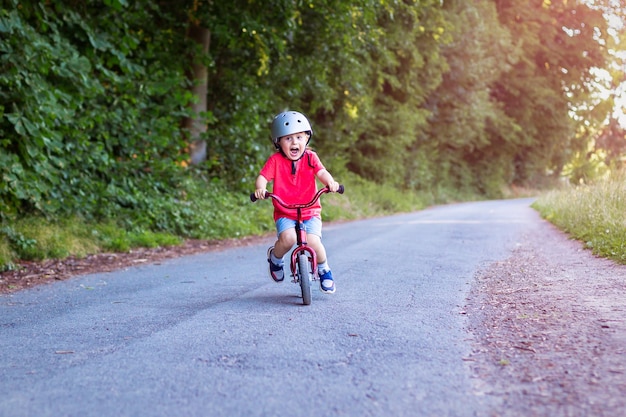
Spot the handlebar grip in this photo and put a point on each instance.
(341, 189)
(253, 197)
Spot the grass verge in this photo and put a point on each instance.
(209, 212)
(594, 214)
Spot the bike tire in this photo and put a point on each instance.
(305, 278)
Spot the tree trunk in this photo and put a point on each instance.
(199, 76)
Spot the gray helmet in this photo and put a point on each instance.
(289, 122)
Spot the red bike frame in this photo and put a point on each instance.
(301, 241)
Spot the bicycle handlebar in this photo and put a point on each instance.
(296, 206)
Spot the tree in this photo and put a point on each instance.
(198, 75)
(406, 67)
(470, 140)
(561, 42)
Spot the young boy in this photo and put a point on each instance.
(293, 170)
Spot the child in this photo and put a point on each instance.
(293, 169)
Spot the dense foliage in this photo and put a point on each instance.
(90, 110)
(425, 96)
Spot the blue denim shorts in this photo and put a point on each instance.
(312, 226)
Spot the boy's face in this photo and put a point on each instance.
(294, 145)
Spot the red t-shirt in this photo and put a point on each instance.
(294, 182)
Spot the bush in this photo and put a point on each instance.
(87, 125)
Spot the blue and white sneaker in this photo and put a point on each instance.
(276, 271)
(327, 284)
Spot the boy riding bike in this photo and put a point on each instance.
(293, 169)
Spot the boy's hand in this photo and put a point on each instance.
(333, 186)
(259, 193)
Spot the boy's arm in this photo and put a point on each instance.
(261, 187)
(327, 179)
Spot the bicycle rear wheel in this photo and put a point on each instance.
(305, 278)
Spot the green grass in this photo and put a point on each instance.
(594, 214)
(7, 255)
(112, 238)
(36, 239)
(209, 212)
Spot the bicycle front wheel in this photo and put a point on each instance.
(305, 278)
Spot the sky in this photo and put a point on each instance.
(616, 25)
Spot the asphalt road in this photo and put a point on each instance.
(213, 335)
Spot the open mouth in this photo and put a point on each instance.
(294, 152)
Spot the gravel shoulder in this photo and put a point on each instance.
(548, 330)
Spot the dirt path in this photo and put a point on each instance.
(549, 331)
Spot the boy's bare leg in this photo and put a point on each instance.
(287, 239)
(285, 242)
(316, 243)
